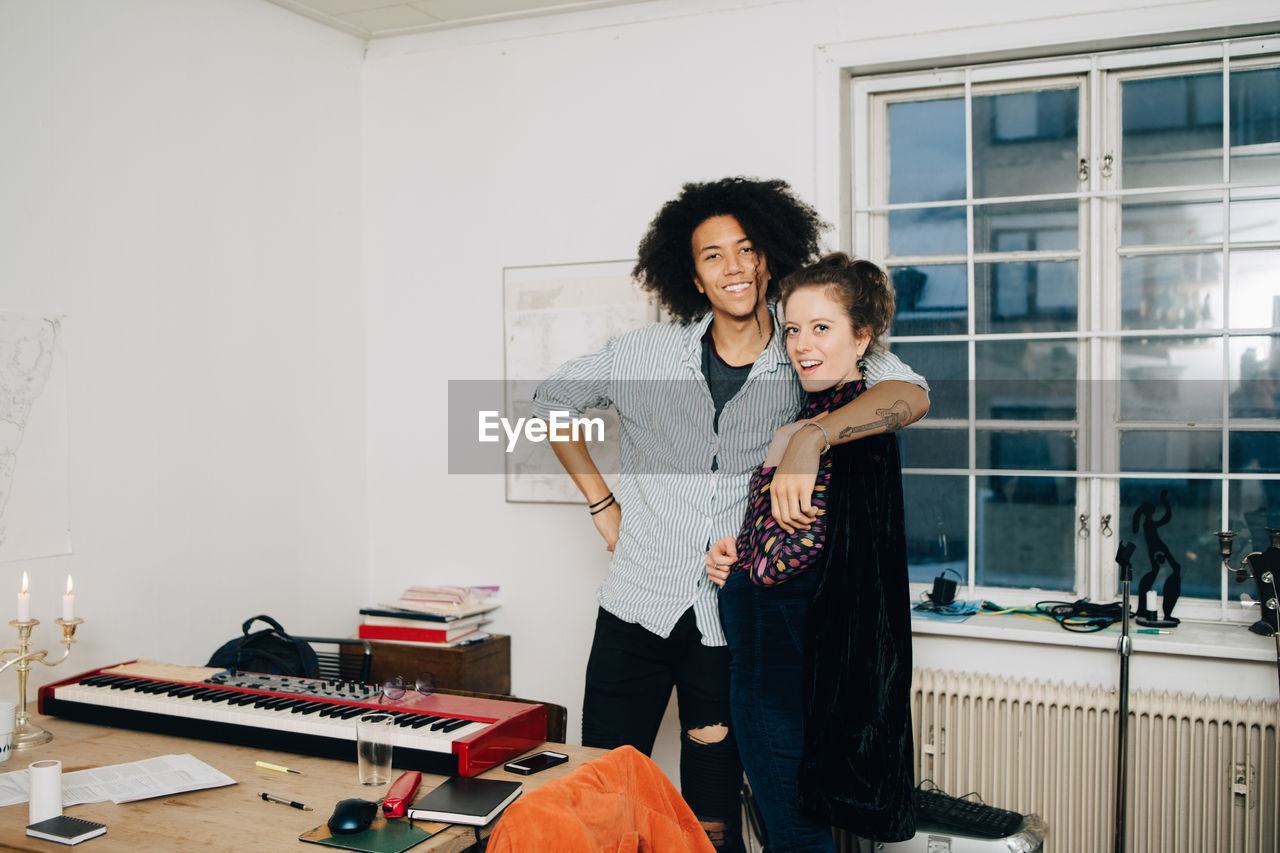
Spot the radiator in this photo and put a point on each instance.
(1202, 773)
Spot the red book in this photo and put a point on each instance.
(414, 635)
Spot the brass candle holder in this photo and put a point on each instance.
(27, 734)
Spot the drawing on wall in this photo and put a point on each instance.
(35, 516)
(552, 314)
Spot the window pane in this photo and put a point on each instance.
(1255, 506)
(1172, 130)
(1257, 452)
(1171, 291)
(1045, 226)
(1027, 450)
(937, 517)
(1171, 379)
(927, 231)
(1041, 296)
(1171, 451)
(1191, 218)
(1256, 397)
(1254, 218)
(931, 300)
(946, 366)
(926, 151)
(1024, 143)
(1255, 289)
(1026, 380)
(1171, 219)
(934, 448)
(1255, 125)
(1177, 541)
(1026, 532)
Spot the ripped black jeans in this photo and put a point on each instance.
(630, 674)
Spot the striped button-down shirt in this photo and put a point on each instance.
(675, 502)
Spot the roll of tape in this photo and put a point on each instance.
(46, 790)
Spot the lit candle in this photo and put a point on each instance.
(69, 602)
(24, 601)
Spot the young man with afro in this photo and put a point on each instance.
(699, 400)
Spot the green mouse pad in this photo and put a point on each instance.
(382, 836)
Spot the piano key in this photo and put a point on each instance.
(270, 716)
(321, 719)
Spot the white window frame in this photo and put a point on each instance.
(846, 184)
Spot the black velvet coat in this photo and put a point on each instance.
(856, 768)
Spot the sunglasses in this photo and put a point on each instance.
(395, 688)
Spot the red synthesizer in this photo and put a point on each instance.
(435, 732)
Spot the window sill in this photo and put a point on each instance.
(1225, 640)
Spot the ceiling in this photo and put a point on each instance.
(371, 19)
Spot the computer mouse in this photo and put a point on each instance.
(352, 816)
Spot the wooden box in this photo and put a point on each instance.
(481, 667)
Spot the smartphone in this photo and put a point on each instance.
(534, 763)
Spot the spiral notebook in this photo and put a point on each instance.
(65, 829)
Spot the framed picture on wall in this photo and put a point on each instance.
(553, 314)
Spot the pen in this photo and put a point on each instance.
(1143, 631)
(268, 766)
(272, 798)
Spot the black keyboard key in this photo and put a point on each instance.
(966, 817)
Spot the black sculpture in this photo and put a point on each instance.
(1158, 555)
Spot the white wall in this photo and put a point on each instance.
(182, 182)
(555, 141)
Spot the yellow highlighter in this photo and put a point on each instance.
(267, 766)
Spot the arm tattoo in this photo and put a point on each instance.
(892, 419)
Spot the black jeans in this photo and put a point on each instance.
(629, 678)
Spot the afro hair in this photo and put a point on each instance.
(779, 225)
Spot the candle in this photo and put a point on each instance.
(69, 602)
(24, 601)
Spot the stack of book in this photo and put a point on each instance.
(436, 616)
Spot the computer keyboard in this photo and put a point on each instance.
(965, 817)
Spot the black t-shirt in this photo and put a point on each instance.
(723, 380)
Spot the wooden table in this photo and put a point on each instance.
(218, 819)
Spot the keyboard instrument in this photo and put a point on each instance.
(435, 733)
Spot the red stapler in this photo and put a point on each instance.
(400, 794)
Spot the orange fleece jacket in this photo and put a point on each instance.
(617, 803)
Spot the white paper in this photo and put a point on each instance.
(122, 783)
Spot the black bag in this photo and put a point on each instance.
(270, 650)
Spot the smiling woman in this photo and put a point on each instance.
(835, 311)
(822, 342)
(796, 621)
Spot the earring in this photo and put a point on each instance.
(862, 364)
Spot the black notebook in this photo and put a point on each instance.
(65, 829)
(464, 799)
